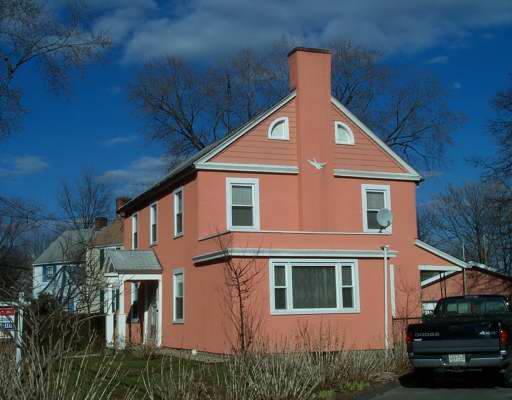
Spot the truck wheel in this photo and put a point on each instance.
(507, 376)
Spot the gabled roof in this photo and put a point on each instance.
(69, 247)
(210, 151)
(130, 261)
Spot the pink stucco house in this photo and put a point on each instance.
(296, 191)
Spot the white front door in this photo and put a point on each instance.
(152, 318)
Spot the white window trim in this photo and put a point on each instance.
(289, 286)
(151, 221)
(286, 129)
(351, 141)
(135, 229)
(175, 212)
(387, 204)
(177, 271)
(254, 183)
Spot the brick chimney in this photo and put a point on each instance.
(121, 201)
(310, 77)
(100, 222)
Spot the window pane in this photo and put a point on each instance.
(242, 216)
(279, 275)
(179, 308)
(342, 135)
(179, 286)
(153, 233)
(179, 202)
(372, 220)
(280, 299)
(179, 223)
(314, 286)
(242, 195)
(375, 200)
(348, 297)
(346, 275)
(278, 130)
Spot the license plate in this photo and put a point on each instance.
(456, 358)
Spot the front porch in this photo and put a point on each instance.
(134, 298)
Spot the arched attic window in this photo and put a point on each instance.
(343, 134)
(278, 129)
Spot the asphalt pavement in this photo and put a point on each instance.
(448, 385)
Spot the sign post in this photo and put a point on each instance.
(19, 331)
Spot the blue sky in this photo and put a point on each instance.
(467, 43)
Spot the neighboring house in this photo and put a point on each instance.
(473, 279)
(55, 270)
(71, 268)
(295, 191)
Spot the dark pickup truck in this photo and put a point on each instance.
(463, 332)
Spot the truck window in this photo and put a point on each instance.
(471, 305)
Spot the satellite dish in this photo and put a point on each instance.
(384, 218)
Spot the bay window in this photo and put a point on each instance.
(309, 286)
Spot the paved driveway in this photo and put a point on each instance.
(449, 386)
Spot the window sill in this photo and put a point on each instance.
(316, 312)
(178, 235)
(242, 229)
(178, 322)
(153, 244)
(378, 232)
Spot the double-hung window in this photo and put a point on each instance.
(375, 198)
(153, 220)
(178, 212)
(243, 211)
(135, 231)
(48, 272)
(311, 287)
(178, 295)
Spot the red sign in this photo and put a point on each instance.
(7, 311)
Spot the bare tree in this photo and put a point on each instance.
(241, 278)
(188, 108)
(474, 222)
(17, 221)
(83, 204)
(501, 128)
(32, 32)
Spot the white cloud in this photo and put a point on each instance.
(119, 140)
(23, 165)
(208, 28)
(137, 176)
(457, 85)
(438, 60)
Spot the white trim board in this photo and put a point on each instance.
(372, 135)
(428, 281)
(244, 129)
(440, 253)
(255, 252)
(392, 176)
(264, 168)
(439, 268)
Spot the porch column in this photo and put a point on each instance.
(121, 319)
(109, 318)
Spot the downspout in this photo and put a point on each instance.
(386, 322)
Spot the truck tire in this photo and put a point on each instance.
(507, 376)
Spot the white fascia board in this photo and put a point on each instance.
(264, 168)
(255, 252)
(246, 128)
(439, 268)
(439, 253)
(379, 141)
(393, 176)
